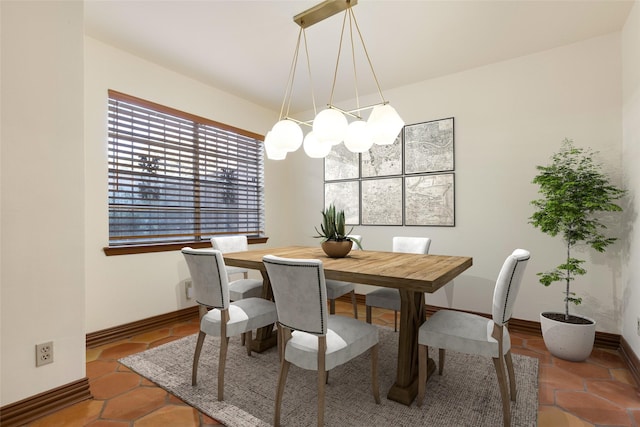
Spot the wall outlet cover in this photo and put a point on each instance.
(44, 353)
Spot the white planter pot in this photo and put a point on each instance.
(568, 341)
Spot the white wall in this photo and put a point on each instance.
(631, 157)
(126, 288)
(509, 117)
(42, 221)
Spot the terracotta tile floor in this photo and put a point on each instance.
(597, 392)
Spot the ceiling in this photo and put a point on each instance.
(246, 47)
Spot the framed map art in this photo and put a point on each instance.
(341, 163)
(344, 195)
(410, 182)
(429, 200)
(428, 147)
(382, 160)
(382, 201)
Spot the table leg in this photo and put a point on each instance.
(412, 315)
(266, 337)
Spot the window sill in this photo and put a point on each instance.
(166, 247)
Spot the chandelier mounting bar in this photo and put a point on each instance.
(322, 11)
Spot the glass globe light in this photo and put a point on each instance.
(358, 138)
(385, 124)
(273, 153)
(314, 148)
(286, 135)
(330, 125)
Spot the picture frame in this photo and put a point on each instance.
(345, 195)
(382, 201)
(341, 163)
(430, 200)
(382, 160)
(429, 147)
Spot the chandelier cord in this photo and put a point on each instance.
(292, 73)
(335, 73)
(353, 58)
(364, 47)
(306, 49)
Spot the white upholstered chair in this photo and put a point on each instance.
(241, 288)
(218, 316)
(337, 288)
(474, 334)
(390, 298)
(308, 337)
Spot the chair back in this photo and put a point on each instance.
(226, 244)
(411, 245)
(300, 293)
(508, 285)
(210, 282)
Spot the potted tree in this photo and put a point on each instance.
(575, 192)
(336, 243)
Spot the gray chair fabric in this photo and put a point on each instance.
(390, 298)
(337, 288)
(473, 334)
(218, 316)
(245, 288)
(241, 288)
(226, 244)
(308, 336)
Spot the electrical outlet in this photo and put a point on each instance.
(188, 289)
(44, 353)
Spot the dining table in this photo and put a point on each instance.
(411, 274)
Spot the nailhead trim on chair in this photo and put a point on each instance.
(504, 310)
(224, 303)
(322, 307)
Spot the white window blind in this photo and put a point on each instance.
(175, 177)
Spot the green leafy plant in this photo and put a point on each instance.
(333, 227)
(574, 192)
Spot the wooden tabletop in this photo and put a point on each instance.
(414, 272)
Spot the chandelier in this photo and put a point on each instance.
(331, 126)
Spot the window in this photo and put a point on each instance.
(178, 178)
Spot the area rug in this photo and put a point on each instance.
(465, 395)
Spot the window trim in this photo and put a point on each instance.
(173, 246)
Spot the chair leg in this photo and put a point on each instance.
(512, 375)
(196, 358)
(332, 306)
(355, 304)
(243, 339)
(440, 361)
(224, 343)
(369, 314)
(202, 310)
(374, 374)
(279, 339)
(321, 380)
(423, 355)
(322, 377)
(395, 321)
(502, 384)
(249, 341)
(282, 379)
